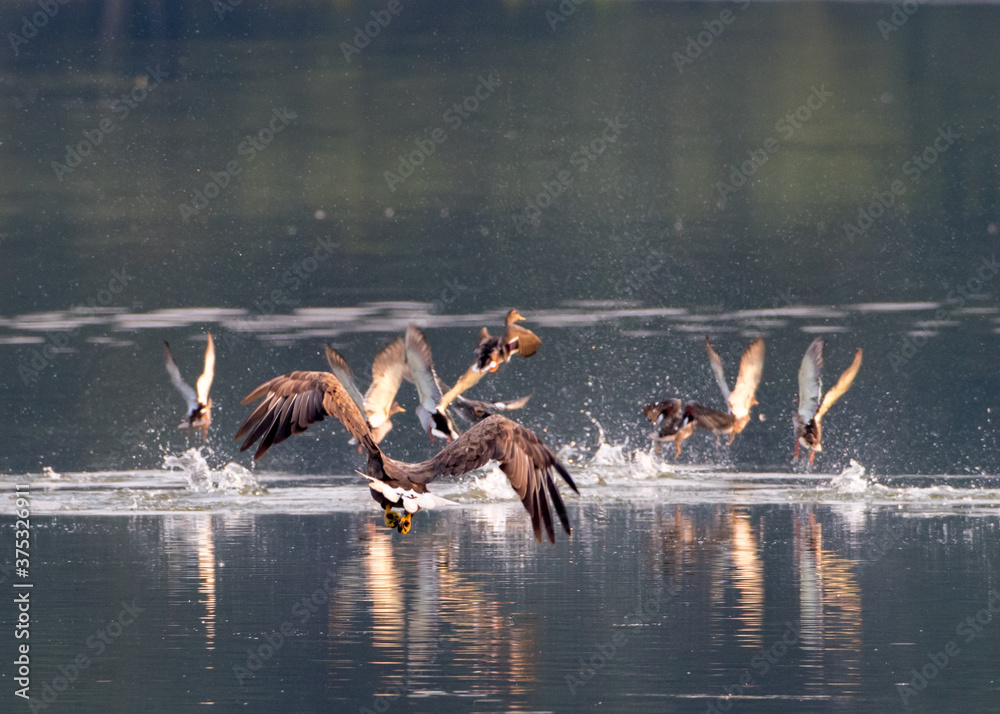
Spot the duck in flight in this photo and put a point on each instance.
(379, 401)
(436, 419)
(199, 404)
(740, 400)
(295, 401)
(493, 352)
(674, 421)
(809, 417)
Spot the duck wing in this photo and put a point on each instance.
(190, 396)
(842, 385)
(204, 383)
(716, 363)
(345, 375)
(751, 368)
(810, 381)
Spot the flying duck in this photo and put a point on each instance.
(673, 419)
(199, 404)
(494, 351)
(420, 370)
(809, 417)
(380, 399)
(293, 402)
(740, 400)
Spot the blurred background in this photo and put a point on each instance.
(631, 176)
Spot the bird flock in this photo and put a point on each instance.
(292, 402)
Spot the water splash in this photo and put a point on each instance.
(853, 479)
(493, 485)
(202, 478)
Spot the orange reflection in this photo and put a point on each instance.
(830, 609)
(417, 604)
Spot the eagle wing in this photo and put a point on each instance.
(527, 462)
(293, 402)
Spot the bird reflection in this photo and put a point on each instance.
(830, 610)
(429, 620)
(748, 578)
(206, 577)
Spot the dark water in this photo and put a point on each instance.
(650, 607)
(805, 171)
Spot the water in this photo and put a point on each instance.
(728, 579)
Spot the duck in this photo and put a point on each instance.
(295, 401)
(199, 404)
(379, 401)
(674, 421)
(809, 417)
(475, 410)
(434, 419)
(740, 400)
(494, 351)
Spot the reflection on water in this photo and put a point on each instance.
(769, 604)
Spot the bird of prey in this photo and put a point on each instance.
(809, 417)
(199, 404)
(494, 351)
(293, 402)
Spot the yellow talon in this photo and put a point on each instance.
(391, 519)
(404, 524)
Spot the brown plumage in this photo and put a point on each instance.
(673, 419)
(199, 404)
(294, 401)
(741, 399)
(808, 420)
(493, 352)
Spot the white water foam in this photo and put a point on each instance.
(202, 478)
(852, 480)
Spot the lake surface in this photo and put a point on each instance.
(630, 176)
